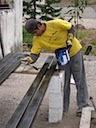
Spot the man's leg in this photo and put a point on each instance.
(78, 72)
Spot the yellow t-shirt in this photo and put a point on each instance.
(55, 37)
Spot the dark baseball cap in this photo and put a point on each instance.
(31, 25)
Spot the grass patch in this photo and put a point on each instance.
(27, 37)
(81, 35)
(87, 37)
(93, 43)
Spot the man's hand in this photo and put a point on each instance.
(69, 44)
(29, 59)
(69, 40)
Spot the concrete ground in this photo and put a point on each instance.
(15, 87)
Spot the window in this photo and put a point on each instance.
(6, 4)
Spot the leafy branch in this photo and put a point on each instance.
(76, 8)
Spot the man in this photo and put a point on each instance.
(58, 34)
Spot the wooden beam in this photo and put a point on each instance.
(21, 109)
(86, 117)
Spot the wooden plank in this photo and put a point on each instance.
(86, 117)
(9, 65)
(30, 114)
(26, 69)
(17, 116)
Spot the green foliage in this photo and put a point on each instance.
(48, 12)
(93, 42)
(52, 1)
(81, 35)
(30, 8)
(45, 11)
(93, 52)
(76, 8)
(27, 37)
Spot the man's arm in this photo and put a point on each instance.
(32, 58)
(70, 37)
(72, 30)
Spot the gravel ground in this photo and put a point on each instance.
(15, 87)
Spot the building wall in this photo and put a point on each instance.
(7, 30)
(11, 28)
